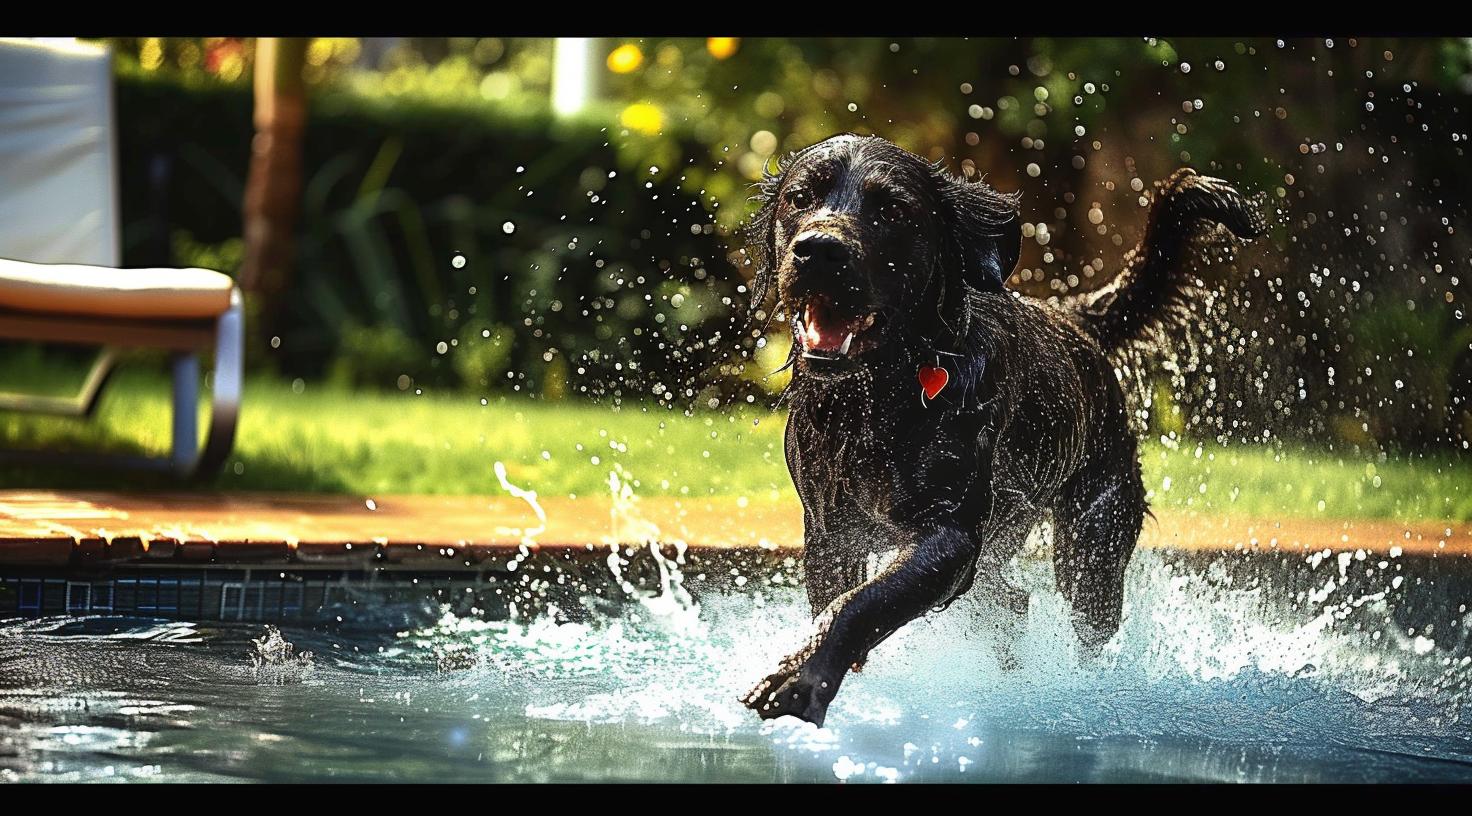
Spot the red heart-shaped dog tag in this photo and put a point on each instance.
(932, 380)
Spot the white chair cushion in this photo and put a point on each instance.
(100, 291)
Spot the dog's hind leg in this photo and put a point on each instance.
(1003, 616)
(1004, 613)
(1097, 525)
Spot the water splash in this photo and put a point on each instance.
(274, 660)
(1198, 660)
(528, 535)
(1203, 655)
(1212, 677)
(1224, 669)
(669, 601)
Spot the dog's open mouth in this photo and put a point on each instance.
(826, 332)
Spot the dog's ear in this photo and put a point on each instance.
(761, 235)
(983, 230)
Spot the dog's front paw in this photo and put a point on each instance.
(758, 693)
(788, 693)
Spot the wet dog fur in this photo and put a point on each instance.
(888, 265)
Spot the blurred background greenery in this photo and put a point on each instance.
(561, 220)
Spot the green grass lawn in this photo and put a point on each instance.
(317, 439)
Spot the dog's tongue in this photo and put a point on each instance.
(822, 330)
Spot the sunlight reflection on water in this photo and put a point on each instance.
(1205, 681)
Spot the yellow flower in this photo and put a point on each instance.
(319, 52)
(625, 58)
(722, 47)
(151, 54)
(643, 117)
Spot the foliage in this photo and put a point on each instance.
(1354, 142)
(1406, 355)
(482, 354)
(422, 222)
(375, 356)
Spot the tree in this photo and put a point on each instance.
(273, 187)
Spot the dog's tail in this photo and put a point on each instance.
(1155, 289)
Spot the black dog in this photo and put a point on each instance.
(936, 413)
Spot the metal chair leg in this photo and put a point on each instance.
(97, 379)
(225, 396)
(83, 404)
(185, 450)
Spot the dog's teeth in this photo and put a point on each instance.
(846, 341)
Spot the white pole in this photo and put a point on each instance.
(572, 68)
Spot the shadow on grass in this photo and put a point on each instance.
(132, 420)
(257, 473)
(267, 476)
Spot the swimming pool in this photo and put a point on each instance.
(1329, 667)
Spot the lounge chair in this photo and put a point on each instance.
(59, 281)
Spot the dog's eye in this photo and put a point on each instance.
(799, 199)
(893, 212)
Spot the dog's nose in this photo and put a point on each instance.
(820, 247)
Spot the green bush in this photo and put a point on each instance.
(376, 357)
(482, 354)
(1405, 356)
(424, 220)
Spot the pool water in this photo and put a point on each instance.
(1219, 674)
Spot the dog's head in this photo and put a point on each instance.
(867, 243)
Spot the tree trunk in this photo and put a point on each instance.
(273, 189)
